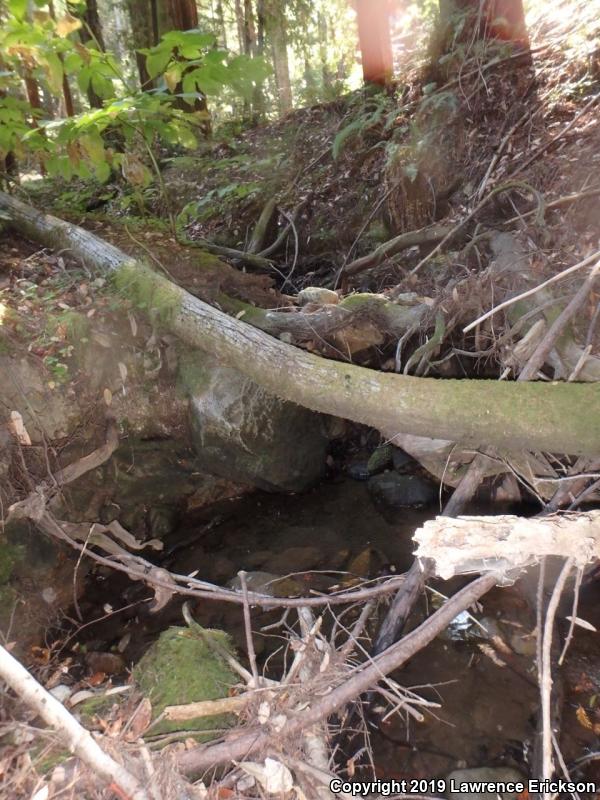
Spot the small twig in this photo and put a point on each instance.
(149, 252)
(456, 229)
(576, 589)
(542, 149)
(537, 359)
(357, 629)
(79, 741)
(560, 201)
(248, 629)
(563, 765)
(273, 248)
(214, 645)
(498, 153)
(206, 708)
(546, 677)
(296, 249)
(554, 279)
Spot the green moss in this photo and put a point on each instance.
(9, 555)
(45, 759)
(147, 290)
(180, 668)
(243, 311)
(95, 706)
(206, 260)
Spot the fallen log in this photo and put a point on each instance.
(461, 545)
(556, 417)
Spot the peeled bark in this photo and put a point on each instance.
(554, 417)
(503, 543)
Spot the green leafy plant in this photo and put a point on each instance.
(371, 116)
(39, 51)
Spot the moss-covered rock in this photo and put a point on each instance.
(180, 668)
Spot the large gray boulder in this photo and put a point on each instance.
(243, 433)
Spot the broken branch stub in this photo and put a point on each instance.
(461, 545)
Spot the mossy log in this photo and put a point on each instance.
(555, 417)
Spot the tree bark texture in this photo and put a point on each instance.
(90, 33)
(491, 19)
(549, 416)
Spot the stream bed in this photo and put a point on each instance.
(481, 672)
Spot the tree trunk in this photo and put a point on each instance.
(182, 15)
(275, 28)
(493, 19)
(90, 32)
(375, 41)
(66, 88)
(254, 46)
(239, 21)
(143, 30)
(32, 90)
(553, 417)
(221, 21)
(323, 41)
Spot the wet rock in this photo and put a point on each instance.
(380, 459)
(489, 774)
(294, 559)
(524, 643)
(109, 663)
(246, 434)
(161, 521)
(36, 581)
(359, 470)
(402, 461)
(219, 569)
(145, 486)
(256, 559)
(402, 491)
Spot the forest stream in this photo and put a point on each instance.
(299, 400)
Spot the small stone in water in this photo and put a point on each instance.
(358, 470)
